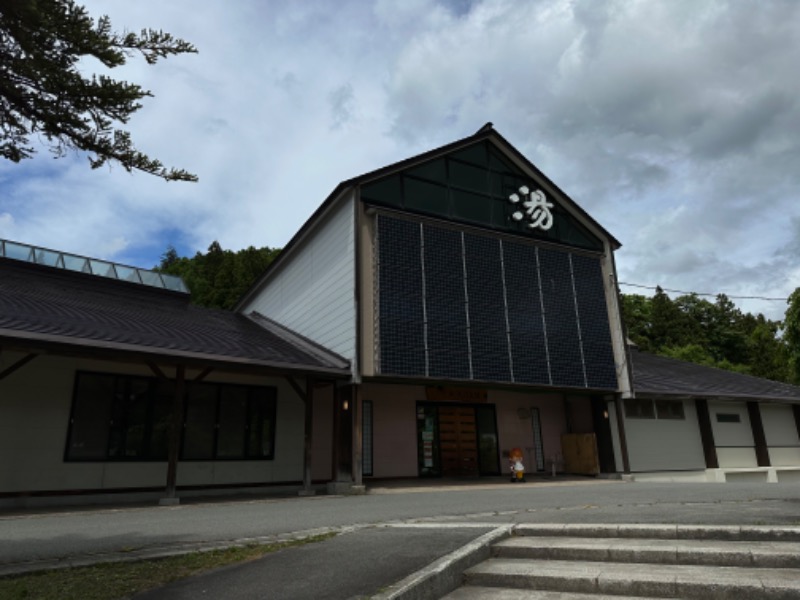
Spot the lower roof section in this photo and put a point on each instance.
(662, 376)
(63, 311)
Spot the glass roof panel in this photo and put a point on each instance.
(151, 278)
(18, 251)
(173, 282)
(48, 257)
(128, 273)
(102, 268)
(83, 264)
(76, 263)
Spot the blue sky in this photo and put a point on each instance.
(674, 123)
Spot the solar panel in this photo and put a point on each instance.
(460, 305)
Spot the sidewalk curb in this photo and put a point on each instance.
(444, 575)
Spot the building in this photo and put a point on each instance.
(429, 317)
(698, 423)
(109, 377)
(476, 303)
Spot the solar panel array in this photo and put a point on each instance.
(459, 305)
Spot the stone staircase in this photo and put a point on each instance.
(587, 562)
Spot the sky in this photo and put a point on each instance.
(673, 123)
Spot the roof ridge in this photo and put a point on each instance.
(305, 344)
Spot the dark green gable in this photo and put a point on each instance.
(473, 186)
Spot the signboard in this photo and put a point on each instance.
(439, 393)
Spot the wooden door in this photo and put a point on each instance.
(458, 441)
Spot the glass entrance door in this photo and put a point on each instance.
(457, 440)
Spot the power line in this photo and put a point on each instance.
(653, 287)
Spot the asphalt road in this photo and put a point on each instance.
(34, 537)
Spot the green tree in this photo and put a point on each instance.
(43, 92)
(715, 334)
(219, 277)
(791, 334)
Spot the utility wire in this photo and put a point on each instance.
(653, 287)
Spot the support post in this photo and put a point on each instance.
(760, 439)
(176, 425)
(307, 397)
(623, 440)
(706, 434)
(796, 411)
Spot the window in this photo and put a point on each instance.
(729, 418)
(126, 418)
(200, 422)
(636, 408)
(639, 408)
(670, 409)
(366, 438)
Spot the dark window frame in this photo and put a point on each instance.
(639, 408)
(256, 394)
(728, 417)
(670, 410)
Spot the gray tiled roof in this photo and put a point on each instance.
(40, 305)
(659, 375)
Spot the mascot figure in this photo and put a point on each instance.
(517, 468)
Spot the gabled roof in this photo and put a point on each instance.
(42, 307)
(661, 376)
(487, 132)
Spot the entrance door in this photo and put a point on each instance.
(458, 441)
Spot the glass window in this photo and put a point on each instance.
(232, 421)
(636, 408)
(489, 456)
(129, 419)
(200, 422)
(91, 414)
(260, 423)
(427, 440)
(366, 437)
(161, 419)
(669, 409)
(728, 418)
(118, 418)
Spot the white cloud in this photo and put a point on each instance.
(672, 122)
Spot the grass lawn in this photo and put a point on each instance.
(113, 581)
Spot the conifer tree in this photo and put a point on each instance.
(43, 93)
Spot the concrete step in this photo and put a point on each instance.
(637, 550)
(665, 532)
(493, 593)
(634, 579)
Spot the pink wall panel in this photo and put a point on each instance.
(395, 428)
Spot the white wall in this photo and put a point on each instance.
(665, 444)
(734, 441)
(35, 404)
(780, 430)
(313, 290)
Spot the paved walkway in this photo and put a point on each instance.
(376, 546)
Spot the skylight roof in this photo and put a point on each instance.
(92, 266)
